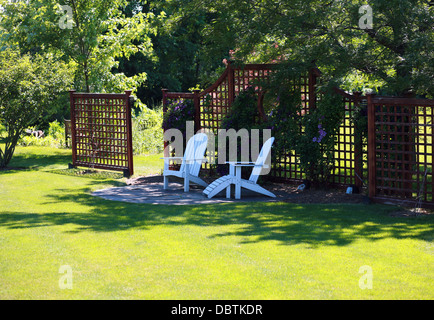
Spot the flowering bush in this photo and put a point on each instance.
(311, 136)
(177, 114)
(322, 134)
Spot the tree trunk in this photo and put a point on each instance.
(86, 76)
(6, 156)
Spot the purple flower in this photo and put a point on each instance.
(314, 140)
(322, 133)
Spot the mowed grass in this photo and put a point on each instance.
(120, 250)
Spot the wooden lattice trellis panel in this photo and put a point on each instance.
(350, 151)
(400, 144)
(397, 159)
(213, 104)
(101, 131)
(286, 167)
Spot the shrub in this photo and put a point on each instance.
(310, 135)
(243, 115)
(147, 132)
(28, 86)
(54, 137)
(243, 111)
(178, 113)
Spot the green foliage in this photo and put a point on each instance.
(396, 52)
(55, 137)
(147, 131)
(184, 53)
(243, 111)
(100, 34)
(28, 85)
(311, 136)
(243, 115)
(178, 113)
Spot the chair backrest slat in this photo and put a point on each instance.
(261, 160)
(195, 149)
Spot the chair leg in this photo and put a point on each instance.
(186, 184)
(238, 183)
(166, 182)
(187, 178)
(228, 192)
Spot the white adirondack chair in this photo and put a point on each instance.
(191, 162)
(234, 176)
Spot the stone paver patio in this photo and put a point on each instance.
(153, 193)
(150, 190)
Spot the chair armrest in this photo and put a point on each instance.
(193, 160)
(174, 158)
(182, 158)
(243, 164)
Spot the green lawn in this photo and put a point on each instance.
(224, 251)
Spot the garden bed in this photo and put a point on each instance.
(287, 192)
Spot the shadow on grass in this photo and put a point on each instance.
(36, 161)
(56, 158)
(313, 225)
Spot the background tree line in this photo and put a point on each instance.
(179, 44)
(113, 45)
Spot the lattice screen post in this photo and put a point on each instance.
(409, 146)
(73, 126)
(372, 161)
(166, 143)
(130, 103)
(231, 84)
(312, 88)
(358, 147)
(196, 102)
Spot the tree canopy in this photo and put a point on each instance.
(179, 44)
(396, 52)
(48, 47)
(28, 86)
(93, 34)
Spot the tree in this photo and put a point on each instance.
(28, 84)
(185, 54)
(396, 51)
(93, 34)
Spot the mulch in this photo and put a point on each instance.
(286, 192)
